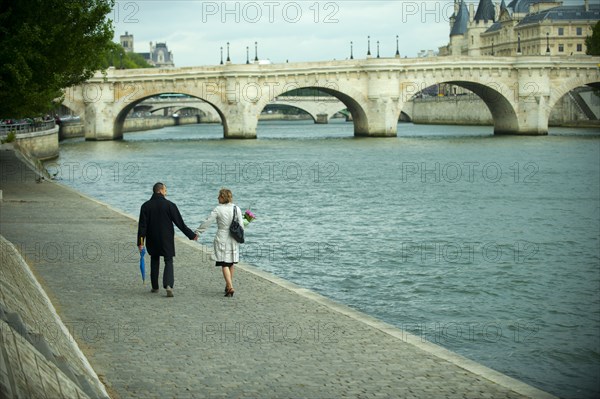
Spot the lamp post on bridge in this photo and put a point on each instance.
(547, 43)
(228, 59)
(397, 48)
(247, 55)
(377, 48)
(221, 55)
(255, 51)
(368, 46)
(351, 52)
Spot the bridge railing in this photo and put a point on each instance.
(25, 127)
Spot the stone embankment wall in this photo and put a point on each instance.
(139, 124)
(42, 144)
(70, 130)
(38, 356)
(459, 110)
(281, 117)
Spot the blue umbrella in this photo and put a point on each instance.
(143, 264)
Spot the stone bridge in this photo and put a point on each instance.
(519, 91)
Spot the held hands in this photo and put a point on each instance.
(140, 247)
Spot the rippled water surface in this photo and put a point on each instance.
(486, 245)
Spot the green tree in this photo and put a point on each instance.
(46, 46)
(117, 57)
(138, 61)
(592, 43)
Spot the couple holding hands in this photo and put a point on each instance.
(155, 229)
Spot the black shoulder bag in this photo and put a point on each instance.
(236, 231)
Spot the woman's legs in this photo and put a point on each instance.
(227, 275)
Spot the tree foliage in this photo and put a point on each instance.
(117, 56)
(46, 46)
(592, 43)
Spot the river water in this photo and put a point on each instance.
(488, 246)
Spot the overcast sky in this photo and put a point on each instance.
(299, 30)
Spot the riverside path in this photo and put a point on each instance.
(271, 340)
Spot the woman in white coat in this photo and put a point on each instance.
(226, 249)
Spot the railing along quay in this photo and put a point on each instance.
(26, 127)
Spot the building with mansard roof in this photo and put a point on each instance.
(159, 55)
(528, 27)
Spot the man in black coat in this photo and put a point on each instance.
(157, 217)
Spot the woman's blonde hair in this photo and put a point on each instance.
(226, 195)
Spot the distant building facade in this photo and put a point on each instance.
(527, 27)
(159, 55)
(127, 42)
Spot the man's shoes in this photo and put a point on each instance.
(169, 292)
(154, 290)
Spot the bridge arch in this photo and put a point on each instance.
(137, 98)
(123, 112)
(346, 95)
(502, 109)
(556, 93)
(496, 95)
(405, 116)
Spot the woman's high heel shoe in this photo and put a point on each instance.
(230, 292)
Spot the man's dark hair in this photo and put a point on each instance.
(157, 187)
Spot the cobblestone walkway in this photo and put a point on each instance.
(271, 340)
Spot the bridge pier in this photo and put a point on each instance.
(532, 106)
(240, 134)
(241, 121)
(380, 119)
(532, 116)
(99, 123)
(322, 119)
